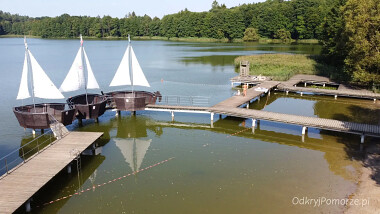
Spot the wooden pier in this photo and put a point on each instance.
(252, 93)
(342, 91)
(230, 107)
(24, 181)
(320, 123)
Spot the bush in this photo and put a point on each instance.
(251, 35)
(283, 35)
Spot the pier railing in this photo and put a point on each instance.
(18, 157)
(184, 100)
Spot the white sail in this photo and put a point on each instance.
(122, 76)
(133, 151)
(91, 81)
(42, 85)
(23, 91)
(137, 73)
(75, 78)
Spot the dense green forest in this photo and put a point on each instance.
(301, 18)
(349, 30)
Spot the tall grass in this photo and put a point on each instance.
(283, 66)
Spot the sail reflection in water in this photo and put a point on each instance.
(133, 150)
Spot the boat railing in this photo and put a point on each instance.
(22, 155)
(185, 100)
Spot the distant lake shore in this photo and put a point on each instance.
(179, 39)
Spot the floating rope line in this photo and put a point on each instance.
(110, 181)
(239, 132)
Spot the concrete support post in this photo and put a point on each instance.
(97, 120)
(324, 85)
(220, 116)
(172, 112)
(304, 129)
(247, 106)
(253, 126)
(335, 96)
(28, 208)
(268, 92)
(34, 132)
(253, 123)
(80, 122)
(301, 94)
(42, 131)
(133, 113)
(374, 100)
(305, 84)
(212, 116)
(258, 98)
(362, 138)
(69, 168)
(287, 92)
(118, 113)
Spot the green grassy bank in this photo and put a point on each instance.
(283, 66)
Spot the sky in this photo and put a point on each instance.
(114, 8)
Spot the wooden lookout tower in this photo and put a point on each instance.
(244, 68)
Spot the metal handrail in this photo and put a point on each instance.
(186, 100)
(7, 165)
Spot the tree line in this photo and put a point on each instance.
(301, 19)
(351, 39)
(349, 30)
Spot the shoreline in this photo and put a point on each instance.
(178, 39)
(368, 183)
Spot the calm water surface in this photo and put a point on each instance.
(213, 170)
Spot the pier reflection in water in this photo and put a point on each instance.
(215, 170)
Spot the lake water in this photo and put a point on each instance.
(224, 169)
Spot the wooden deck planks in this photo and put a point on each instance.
(236, 101)
(321, 123)
(20, 185)
(342, 91)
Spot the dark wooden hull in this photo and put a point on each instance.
(39, 116)
(95, 108)
(128, 101)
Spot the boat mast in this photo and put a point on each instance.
(84, 66)
(30, 73)
(130, 63)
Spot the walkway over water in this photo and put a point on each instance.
(321, 123)
(230, 107)
(236, 101)
(342, 90)
(24, 181)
